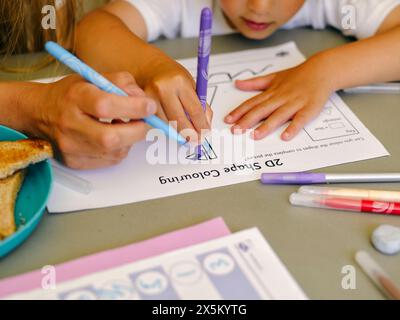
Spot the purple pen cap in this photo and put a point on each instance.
(206, 23)
(207, 13)
(293, 178)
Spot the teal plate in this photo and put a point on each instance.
(32, 198)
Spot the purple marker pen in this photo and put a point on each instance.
(293, 178)
(205, 39)
(204, 51)
(322, 178)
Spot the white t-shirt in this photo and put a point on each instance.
(172, 18)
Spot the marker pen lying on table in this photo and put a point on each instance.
(384, 88)
(345, 204)
(71, 181)
(377, 275)
(322, 178)
(204, 51)
(102, 83)
(377, 195)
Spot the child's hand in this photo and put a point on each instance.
(68, 115)
(172, 85)
(296, 94)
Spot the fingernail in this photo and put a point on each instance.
(254, 134)
(228, 118)
(286, 136)
(151, 108)
(236, 129)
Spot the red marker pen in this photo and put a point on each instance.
(336, 203)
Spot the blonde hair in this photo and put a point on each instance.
(21, 28)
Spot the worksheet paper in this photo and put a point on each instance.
(206, 231)
(337, 136)
(236, 267)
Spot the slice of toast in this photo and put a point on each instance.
(20, 154)
(9, 188)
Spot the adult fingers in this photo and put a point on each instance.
(103, 105)
(105, 138)
(80, 162)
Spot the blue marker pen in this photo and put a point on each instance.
(102, 83)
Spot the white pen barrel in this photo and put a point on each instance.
(363, 178)
(386, 88)
(71, 181)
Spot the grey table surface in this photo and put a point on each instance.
(314, 244)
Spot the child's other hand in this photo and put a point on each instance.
(173, 87)
(296, 94)
(68, 115)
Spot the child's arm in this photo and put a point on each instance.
(301, 92)
(65, 113)
(106, 41)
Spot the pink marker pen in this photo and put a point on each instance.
(345, 204)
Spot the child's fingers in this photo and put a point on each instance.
(126, 82)
(160, 111)
(245, 107)
(274, 121)
(194, 109)
(257, 114)
(255, 84)
(102, 105)
(209, 115)
(175, 111)
(300, 120)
